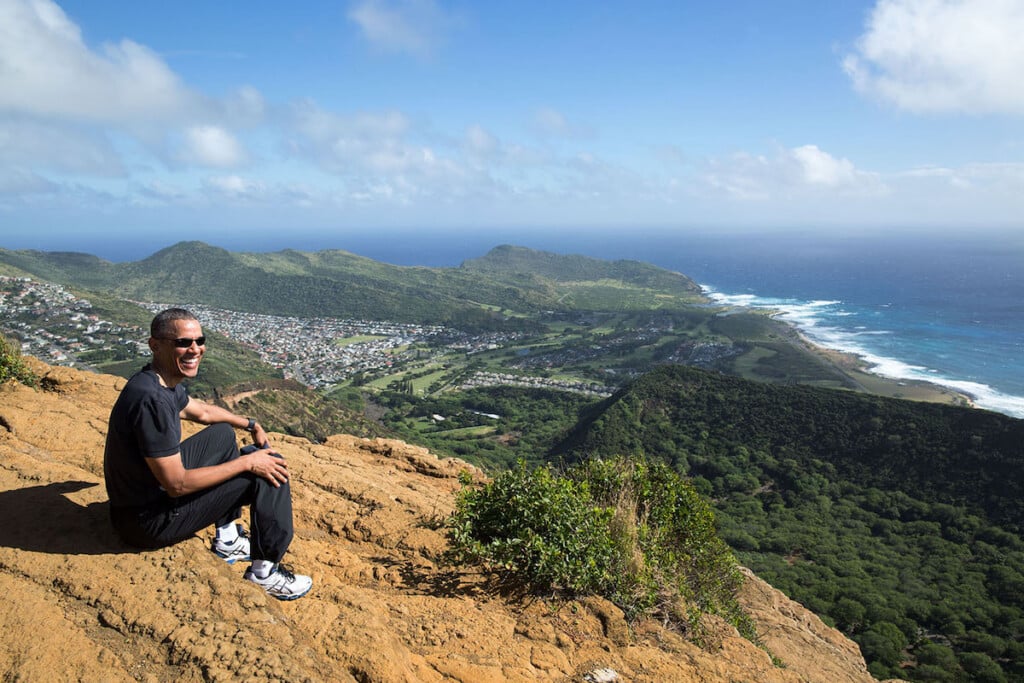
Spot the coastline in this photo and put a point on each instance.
(858, 371)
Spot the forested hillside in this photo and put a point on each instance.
(900, 521)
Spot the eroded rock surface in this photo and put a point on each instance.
(79, 605)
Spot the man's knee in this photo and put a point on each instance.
(221, 431)
(281, 490)
(214, 444)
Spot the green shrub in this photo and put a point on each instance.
(543, 529)
(681, 555)
(981, 669)
(636, 534)
(12, 365)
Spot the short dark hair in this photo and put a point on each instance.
(163, 322)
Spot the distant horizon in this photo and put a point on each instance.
(452, 246)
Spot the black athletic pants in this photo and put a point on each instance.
(175, 519)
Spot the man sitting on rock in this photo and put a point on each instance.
(163, 490)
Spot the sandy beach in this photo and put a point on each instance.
(857, 370)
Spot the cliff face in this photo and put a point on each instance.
(79, 605)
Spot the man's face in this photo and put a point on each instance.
(176, 363)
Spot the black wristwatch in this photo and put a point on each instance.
(252, 425)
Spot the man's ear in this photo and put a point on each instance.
(152, 344)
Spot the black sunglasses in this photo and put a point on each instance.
(185, 342)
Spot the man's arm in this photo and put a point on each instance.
(178, 481)
(207, 413)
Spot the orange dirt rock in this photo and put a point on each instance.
(80, 605)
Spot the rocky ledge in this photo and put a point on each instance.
(80, 606)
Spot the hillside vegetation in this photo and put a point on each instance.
(900, 521)
(638, 535)
(491, 291)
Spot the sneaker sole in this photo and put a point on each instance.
(231, 560)
(279, 596)
(290, 597)
(269, 590)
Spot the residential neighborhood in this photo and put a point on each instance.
(318, 352)
(60, 328)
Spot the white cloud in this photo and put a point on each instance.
(550, 121)
(327, 130)
(378, 156)
(245, 107)
(235, 186)
(46, 69)
(389, 158)
(800, 171)
(365, 144)
(28, 143)
(161, 193)
(590, 177)
(105, 111)
(740, 176)
(943, 55)
(1005, 178)
(212, 146)
(977, 178)
(416, 27)
(821, 168)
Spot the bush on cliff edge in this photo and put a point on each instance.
(12, 365)
(633, 532)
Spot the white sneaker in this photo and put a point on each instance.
(234, 551)
(282, 583)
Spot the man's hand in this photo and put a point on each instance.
(267, 463)
(259, 437)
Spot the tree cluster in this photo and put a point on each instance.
(899, 522)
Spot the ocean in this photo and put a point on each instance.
(948, 310)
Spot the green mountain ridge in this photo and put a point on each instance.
(511, 259)
(493, 291)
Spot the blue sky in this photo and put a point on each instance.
(265, 122)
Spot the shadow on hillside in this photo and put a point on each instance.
(42, 519)
(465, 581)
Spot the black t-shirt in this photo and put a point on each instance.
(144, 423)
